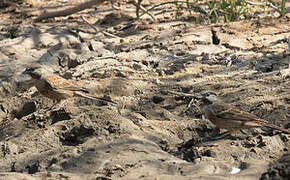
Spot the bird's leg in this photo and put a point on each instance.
(58, 105)
(208, 141)
(54, 105)
(223, 135)
(49, 108)
(229, 133)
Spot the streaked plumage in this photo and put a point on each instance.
(56, 87)
(225, 116)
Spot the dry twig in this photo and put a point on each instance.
(97, 31)
(69, 11)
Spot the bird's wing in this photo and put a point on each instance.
(226, 111)
(59, 83)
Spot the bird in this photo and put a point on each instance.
(56, 87)
(226, 116)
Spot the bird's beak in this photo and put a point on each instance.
(25, 71)
(198, 96)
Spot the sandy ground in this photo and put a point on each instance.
(151, 133)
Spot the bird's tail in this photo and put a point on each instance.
(82, 94)
(277, 128)
(264, 124)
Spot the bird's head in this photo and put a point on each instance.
(208, 97)
(34, 71)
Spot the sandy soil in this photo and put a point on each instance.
(151, 133)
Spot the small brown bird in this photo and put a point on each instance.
(227, 117)
(56, 87)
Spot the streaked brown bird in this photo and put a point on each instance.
(227, 117)
(56, 87)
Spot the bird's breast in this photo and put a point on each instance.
(48, 91)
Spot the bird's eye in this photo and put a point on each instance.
(30, 69)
